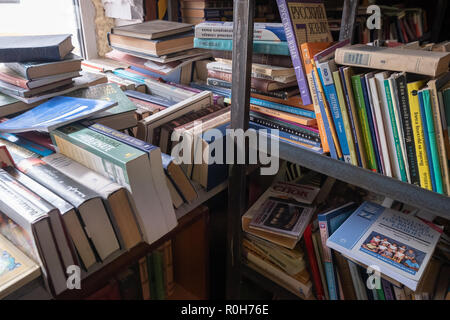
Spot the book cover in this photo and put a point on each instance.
(224, 30)
(400, 245)
(45, 117)
(419, 135)
(164, 102)
(329, 222)
(303, 21)
(283, 107)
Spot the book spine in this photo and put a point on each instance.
(281, 133)
(29, 145)
(275, 94)
(159, 275)
(372, 126)
(23, 83)
(345, 118)
(259, 47)
(398, 150)
(388, 293)
(328, 261)
(416, 120)
(427, 140)
(325, 75)
(407, 129)
(219, 31)
(49, 53)
(218, 83)
(325, 119)
(282, 107)
(283, 115)
(130, 76)
(143, 276)
(313, 263)
(294, 51)
(362, 115)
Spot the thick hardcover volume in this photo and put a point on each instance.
(325, 119)
(408, 135)
(260, 47)
(325, 72)
(419, 136)
(362, 115)
(309, 49)
(224, 30)
(429, 63)
(296, 26)
(320, 294)
(34, 48)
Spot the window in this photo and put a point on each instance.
(32, 17)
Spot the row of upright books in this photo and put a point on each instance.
(322, 239)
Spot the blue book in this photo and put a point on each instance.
(224, 30)
(154, 155)
(329, 222)
(220, 91)
(27, 144)
(427, 140)
(55, 113)
(284, 135)
(326, 124)
(150, 98)
(326, 77)
(282, 107)
(350, 115)
(259, 47)
(400, 245)
(35, 48)
(172, 77)
(371, 123)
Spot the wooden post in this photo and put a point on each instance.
(243, 11)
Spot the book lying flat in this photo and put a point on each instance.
(55, 113)
(152, 29)
(399, 244)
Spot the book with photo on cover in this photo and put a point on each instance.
(281, 214)
(400, 245)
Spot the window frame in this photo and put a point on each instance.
(85, 11)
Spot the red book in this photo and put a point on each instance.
(41, 138)
(13, 78)
(307, 235)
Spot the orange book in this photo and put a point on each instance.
(309, 49)
(294, 101)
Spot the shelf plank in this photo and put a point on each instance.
(366, 179)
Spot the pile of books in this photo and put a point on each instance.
(320, 239)
(197, 11)
(275, 101)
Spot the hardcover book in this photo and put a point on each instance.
(399, 244)
(224, 30)
(154, 29)
(303, 21)
(34, 48)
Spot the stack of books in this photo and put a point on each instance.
(275, 101)
(197, 11)
(156, 49)
(34, 68)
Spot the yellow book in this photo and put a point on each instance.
(419, 137)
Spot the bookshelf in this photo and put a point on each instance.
(390, 187)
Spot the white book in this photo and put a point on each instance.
(379, 121)
(399, 245)
(167, 91)
(196, 102)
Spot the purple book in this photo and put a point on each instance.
(298, 29)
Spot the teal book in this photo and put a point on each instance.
(125, 108)
(151, 276)
(398, 149)
(158, 273)
(259, 47)
(431, 141)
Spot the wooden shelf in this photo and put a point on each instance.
(180, 293)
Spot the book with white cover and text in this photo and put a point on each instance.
(399, 245)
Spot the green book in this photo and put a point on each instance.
(362, 115)
(395, 128)
(432, 140)
(126, 166)
(446, 98)
(119, 117)
(151, 276)
(158, 270)
(380, 294)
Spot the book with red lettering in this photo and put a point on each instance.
(282, 213)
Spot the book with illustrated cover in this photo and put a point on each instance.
(400, 245)
(281, 214)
